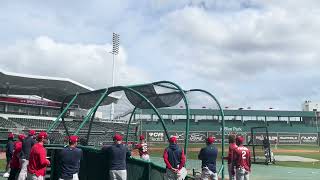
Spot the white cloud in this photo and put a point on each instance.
(90, 64)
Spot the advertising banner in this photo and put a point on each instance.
(288, 138)
(179, 134)
(218, 137)
(197, 137)
(155, 136)
(309, 138)
(258, 138)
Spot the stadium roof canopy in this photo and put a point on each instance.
(213, 112)
(52, 88)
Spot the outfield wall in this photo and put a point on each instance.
(200, 136)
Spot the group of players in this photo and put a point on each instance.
(27, 158)
(239, 159)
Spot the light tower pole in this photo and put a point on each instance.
(114, 52)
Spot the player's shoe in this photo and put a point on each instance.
(6, 175)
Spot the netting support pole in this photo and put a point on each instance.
(128, 126)
(222, 124)
(93, 110)
(186, 140)
(90, 126)
(62, 113)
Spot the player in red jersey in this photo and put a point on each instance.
(230, 158)
(143, 149)
(243, 160)
(37, 160)
(15, 164)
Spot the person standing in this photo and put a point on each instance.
(243, 160)
(15, 164)
(70, 158)
(37, 159)
(9, 153)
(208, 156)
(118, 154)
(143, 149)
(230, 158)
(27, 144)
(174, 159)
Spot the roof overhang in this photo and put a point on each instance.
(51, 88)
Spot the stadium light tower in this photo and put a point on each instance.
(114, 52)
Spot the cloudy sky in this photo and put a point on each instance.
(247, 52)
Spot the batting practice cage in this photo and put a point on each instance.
(259, 141)
(135, 110)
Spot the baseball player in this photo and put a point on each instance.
(230, 158)
(27, 144)
(15, 165)
(9, 153)
(118, 154)
(37, 159)
(70, 160)
(208, 155)
(143, 149)
(174, 159)
(242, 159)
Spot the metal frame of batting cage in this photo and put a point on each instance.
(252, 140)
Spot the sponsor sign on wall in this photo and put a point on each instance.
(218, 137)
(232, 129)
(197, 137)
(155, 136)
(258, 138)
(288, 138)
(309, 138)
(180, 136)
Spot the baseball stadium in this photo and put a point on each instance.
(283, 144)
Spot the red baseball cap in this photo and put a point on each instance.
(32, 132)
(42, 135)
(240, 139)
(73, 139)
(21, 137)
(173, 139)
(210, 140)
(11, 135)
(117, 137)
(142, 137)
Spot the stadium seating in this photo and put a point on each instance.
(6, 123)
(32, 123)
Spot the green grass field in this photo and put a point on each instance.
(2, 164)
(291, 150)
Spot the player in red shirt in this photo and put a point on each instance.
(15, 165)
(143, 149)
(37, 160)
(175, 160)
(243, 160)
(230, 158)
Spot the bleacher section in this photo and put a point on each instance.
(101, 132)
(31, 123)
(5, 123)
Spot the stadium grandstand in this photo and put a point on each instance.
(34, 102)
(285, 127)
